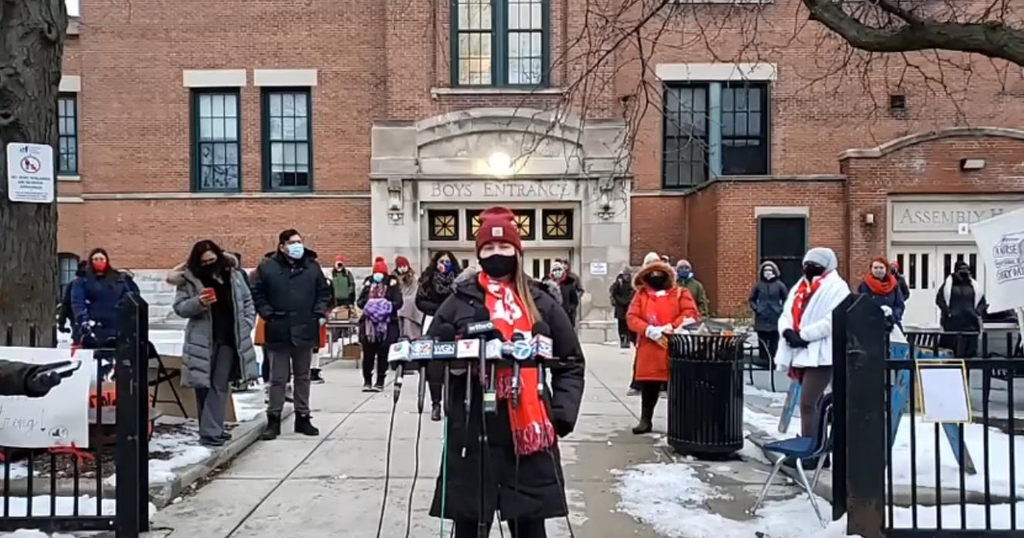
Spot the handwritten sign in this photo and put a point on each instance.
(1001, 245)
(61, 418)
(945, 397)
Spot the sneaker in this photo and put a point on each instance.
(315, 377)
(379, 387)
(633, 392)
(367, 387)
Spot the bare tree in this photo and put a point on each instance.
(33, 34)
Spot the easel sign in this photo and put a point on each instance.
(943, 392)
(1000, 243)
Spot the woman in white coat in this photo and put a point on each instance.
(806, 329)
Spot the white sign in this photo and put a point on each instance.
(1001, 245)
(963, 228)
(944, 394)
(947, 216)
(598, 268)
(30, 173)
(61, 418)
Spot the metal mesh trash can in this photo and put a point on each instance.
(705, 395)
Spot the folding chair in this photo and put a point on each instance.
(818, 446)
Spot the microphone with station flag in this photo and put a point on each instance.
(481, 329)
(543, 350)
(518, 350)
(445, 349)
(399, 354)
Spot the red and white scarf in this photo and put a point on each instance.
(531, 427)
(803, 294)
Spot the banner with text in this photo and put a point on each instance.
(61, 418)
(1001, 245)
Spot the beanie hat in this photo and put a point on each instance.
(401, 261)
(822, 256)
(651, 257)
(379, 266)
(339, 259)
(496, 224)
(557, 266)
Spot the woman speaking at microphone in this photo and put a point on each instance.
(522, 480)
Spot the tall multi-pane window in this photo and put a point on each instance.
(287, 140)
(499, 42)
(215, 141)
(67, 266)
(67, 126)
(714, 129)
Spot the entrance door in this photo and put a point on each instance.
(925, 268)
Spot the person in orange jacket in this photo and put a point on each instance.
(659, 307)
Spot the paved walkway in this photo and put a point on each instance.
(299, 487)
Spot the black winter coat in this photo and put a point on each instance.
(622, 293)
(291, 298)
(518, 487)
(394, 296)
(569, 288)
(766, 300)
(428, 299)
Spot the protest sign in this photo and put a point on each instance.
(61, 418)
(1001, 245)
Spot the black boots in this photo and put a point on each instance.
(273, 428)
(304, 426)
(648, 400)
(435, 412)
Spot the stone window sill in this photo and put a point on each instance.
(74, 25)
(444, 92)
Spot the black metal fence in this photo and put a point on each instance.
(106, 486)
(898, 476)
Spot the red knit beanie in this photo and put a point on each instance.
(497, 225)
(401, 261)
(379, 266)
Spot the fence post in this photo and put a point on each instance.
(142, 403)
(860, 329)
(128, 360)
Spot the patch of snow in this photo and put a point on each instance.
(33, 533)
(17, 470)
(926, 516)
(185, 450)
(65, 506)
(776, 398)
(769, 423)
(750, 451)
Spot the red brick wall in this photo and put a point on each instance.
(657, 224)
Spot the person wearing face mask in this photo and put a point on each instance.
(215, 299)
(621, 294)
(94, 299)
(894, 268)
(523, 482)
(409, 315)
(766, 300)
(343, 282)
(659, 307)
(883, 288)
(685, 279)
(437, 283)
(380, 300)
(568, 287)
(961, 304)
(805, 325)
(291, 294)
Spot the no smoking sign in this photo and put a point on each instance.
(30, 177)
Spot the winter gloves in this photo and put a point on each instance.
(659, 335)
(793, 339)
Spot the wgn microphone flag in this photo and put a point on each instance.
(444, 349)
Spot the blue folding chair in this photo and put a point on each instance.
(818, 446)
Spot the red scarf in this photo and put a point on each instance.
(531, 428)
(804, 291)
(880, 287)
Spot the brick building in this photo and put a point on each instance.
(381, 128)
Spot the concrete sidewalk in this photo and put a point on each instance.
(298, 487)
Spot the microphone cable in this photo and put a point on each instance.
(416, 465)
(387, 468)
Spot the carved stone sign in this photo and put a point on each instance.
(946, 216)
(499, 190)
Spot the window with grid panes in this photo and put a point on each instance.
(783, 240)
(744, 130)
(499, 42)
(67, 120)
(215, 141)
(67, 266)
(685, 144)
(287, 140)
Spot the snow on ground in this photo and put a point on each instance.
(769, 424)
(17, 470)
(776, 398)
(32, 533)
(998, 458)
(184, 449)
(65, 506)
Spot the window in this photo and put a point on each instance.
(783, 240)
(523, 221)
(499, 42)
(557, 224)
(287, 140)
(215, 146)
(67, 265)
(67, 119)
(714, 129)
(444, 224)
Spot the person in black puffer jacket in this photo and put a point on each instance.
(568, 287)
(523, 481)
(766, 300)
(962, 304)
(437, 283)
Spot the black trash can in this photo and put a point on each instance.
(705, 394)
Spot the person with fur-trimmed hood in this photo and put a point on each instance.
(766, 299)
(962, 304)
(659, 307)
(380, 301)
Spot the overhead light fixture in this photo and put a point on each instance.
(972, 164)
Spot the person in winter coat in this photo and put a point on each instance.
(659, 307)
(806, 329)
(685, 278)
(94, 299)
(380, 300)
(215, 299)
(568, 287)
(409, 316)
(523, 481)
(23, 379)
(437, 283)
(66, 317)
(883, 288)
(962, 304)
(291, 295)
(894, 267)
(343, 282)
(621, 294)
(766, 300)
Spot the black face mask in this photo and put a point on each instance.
(498, 266)
(813, 270)
(657, 280)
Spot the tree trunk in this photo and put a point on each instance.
(32, 34)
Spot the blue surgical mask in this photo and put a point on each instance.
(447, 266)
(378, 277)
(684, 273)
(296, 250)
(557, 274)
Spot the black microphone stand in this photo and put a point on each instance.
(483, 529)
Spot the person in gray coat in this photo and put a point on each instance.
(766, 300)
(214, 297)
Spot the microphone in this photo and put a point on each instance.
(543, 350)
(520, 350)
(445, 349)
(399, 354)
